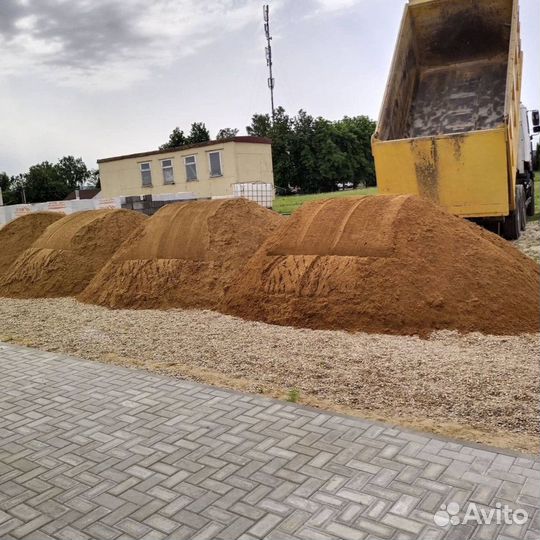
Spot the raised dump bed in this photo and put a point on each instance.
(450, 121)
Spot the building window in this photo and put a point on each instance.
(168, 172)
(146, 174)
(214, 159)
(191, 168)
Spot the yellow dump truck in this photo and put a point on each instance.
(452, 127)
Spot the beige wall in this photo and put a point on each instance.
(240, 162)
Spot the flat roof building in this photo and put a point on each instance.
(208, 169)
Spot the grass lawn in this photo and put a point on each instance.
(289, 203)
(536, 216)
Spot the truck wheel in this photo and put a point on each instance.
(522, 206)
(511, 228)
(531, 210)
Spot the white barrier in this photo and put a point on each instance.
(180, 196)
(254, 191)
(11, 212)
(108, 204)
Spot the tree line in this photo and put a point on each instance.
(313, 154)
(198, 134)
(48, 181)
(309, 154)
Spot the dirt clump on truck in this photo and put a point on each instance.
(185, 256)
(63, 260)
(387, 264)
(21, 233)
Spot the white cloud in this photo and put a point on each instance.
(26, 23)
(110, 44)
(326, 6)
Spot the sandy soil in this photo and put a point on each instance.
(475, 387)
(392, 264)
(529, 242)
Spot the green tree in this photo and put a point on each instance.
(176, 138)
(281, 133)
(261, 126)
(335, 169)
(95, 180)
(9, 195)
(44, 182)
(47, 181)
(17, 187)
(198, 133)
(314, 154)
(5, 185)
(303, 154)
(354, 139)
(226, 133)
(73, 172)
(5, 181)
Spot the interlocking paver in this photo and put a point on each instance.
(89, 450)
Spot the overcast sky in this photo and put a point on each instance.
(98, 78)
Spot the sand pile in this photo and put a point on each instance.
(389, 264)
(63, 260)
(185, 256)
(21, 233)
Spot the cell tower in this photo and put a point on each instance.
(271, 80)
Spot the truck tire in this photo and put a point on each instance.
(522, 206)
(531, 207)
(511, 227)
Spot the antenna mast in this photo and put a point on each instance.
(271, 80)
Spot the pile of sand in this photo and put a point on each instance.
(21, 233)
(185, 256)
(63, 260)
(389, 264)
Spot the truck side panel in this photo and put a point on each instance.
(401, 84)
(513, 103)
(464, 173)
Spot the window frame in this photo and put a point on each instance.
(218, 152)
(194, 156)
(149, 171)
(163, 168)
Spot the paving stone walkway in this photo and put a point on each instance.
(89, 450)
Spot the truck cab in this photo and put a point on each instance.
(525, 157)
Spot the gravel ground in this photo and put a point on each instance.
(476, 387)
(529, 242)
